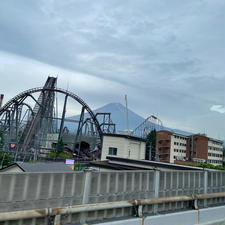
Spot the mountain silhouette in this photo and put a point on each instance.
(118, 116)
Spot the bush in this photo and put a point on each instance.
(5, 159)
(210, 166)
(219, 167)
(207, 165)
(62, 155)
(1, 140)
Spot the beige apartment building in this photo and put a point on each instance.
(215, 151)
(171, 146)
(181, 149)
(178, 147)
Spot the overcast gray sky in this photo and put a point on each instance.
(167, 55)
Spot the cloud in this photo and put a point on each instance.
(218, 108)
(21, 73)
(168, 56)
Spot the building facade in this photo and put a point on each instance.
(124, 146)
(177, 148)
(171, 146)
(215, 152)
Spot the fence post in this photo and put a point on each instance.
(85, 200)
(156, 191)
(205, 186)
(57, 219)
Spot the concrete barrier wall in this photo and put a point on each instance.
(48, 190)
(40, 190)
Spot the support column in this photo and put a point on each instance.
(17, 130)
(156, 186)
(85, 200)
(63, 118)
(57, 219)
(79, 130)
(205, 186)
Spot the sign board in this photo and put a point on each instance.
(69, 162)
(12, 146)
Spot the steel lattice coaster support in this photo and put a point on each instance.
(30, 116)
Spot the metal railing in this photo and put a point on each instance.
(137, 204)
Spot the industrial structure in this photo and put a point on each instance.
(34, 122)
(30, 117)
(149, 124)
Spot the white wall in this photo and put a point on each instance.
(179, 149)
(12, 169)
(126, 148)
(215, 148)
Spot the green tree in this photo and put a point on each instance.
(59, 151)
(151, 145)
(210, 166)
(224, 156)
(59, 147)
(1, 140)
(5, 159)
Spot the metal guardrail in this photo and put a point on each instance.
(137, 204)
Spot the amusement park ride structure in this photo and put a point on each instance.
(30, 117)
(149, 124)
(25, 128)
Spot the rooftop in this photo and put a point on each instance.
(40, 167)
(125, 136)
(147, 164)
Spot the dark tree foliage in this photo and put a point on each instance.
(223, 156)
(151, 146)
(1, 140)
(5, 159)
(59, 152)
(59, 147)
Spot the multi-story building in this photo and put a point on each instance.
(197, 148)
(177, 148)
(215, 151)
(171, 146)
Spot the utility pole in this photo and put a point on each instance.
(150, 152)
(128, 130)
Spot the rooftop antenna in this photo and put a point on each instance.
(128, 130)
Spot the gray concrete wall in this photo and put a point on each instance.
(40, 190)
(49, 190)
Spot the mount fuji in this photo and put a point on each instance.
(118, 116)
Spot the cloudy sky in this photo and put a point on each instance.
(168, 56)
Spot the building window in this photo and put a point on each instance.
(112, 151)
